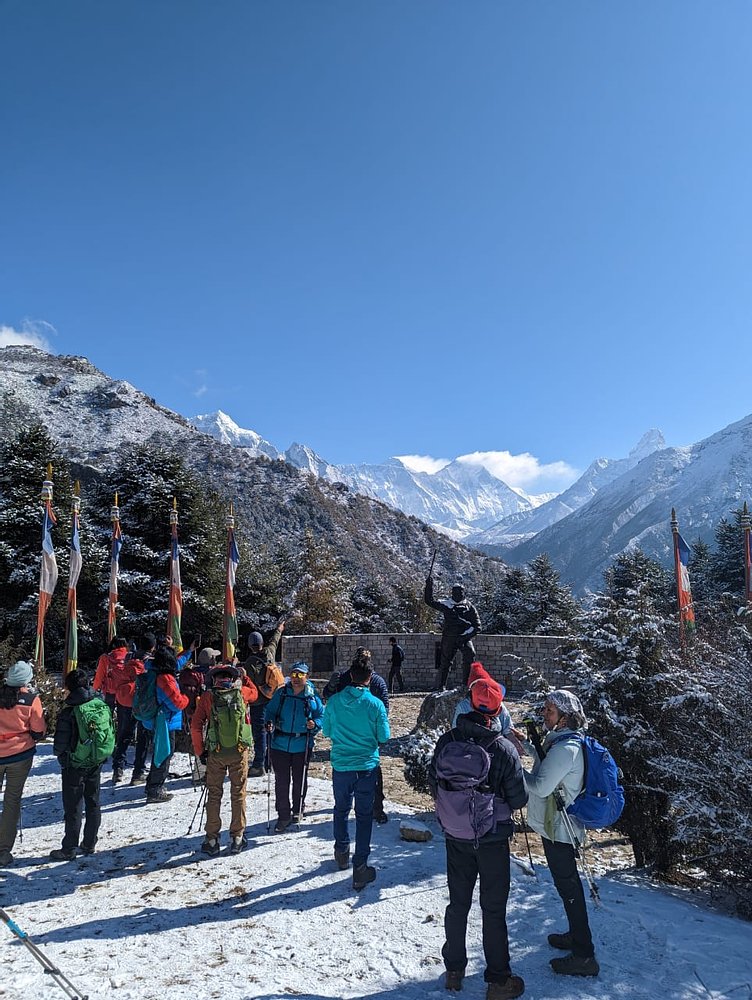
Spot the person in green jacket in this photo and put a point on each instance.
(356, 723)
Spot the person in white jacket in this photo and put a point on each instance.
(560, 775)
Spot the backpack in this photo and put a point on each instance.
(466, 807)
(228, 727)
(96, 734)
(274, 677)
(601, 801)
(191, 684)
(145, 704)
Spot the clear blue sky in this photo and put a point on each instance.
(388, 227)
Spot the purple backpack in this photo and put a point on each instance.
(465, 808)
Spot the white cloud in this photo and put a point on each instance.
(202, 389)
(422, 463)
(523, 471)
(33, 333)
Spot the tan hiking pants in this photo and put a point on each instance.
(234, 763)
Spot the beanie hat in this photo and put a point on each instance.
(19, 674)
(570, 705)
(478, 672)
(256, 640)
(486, 696)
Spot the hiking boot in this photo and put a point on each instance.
(211, 847)
(381, 818)
(6, 858)
(282, 825)
(342, 858)
(238, 844)
(453, 980)
(255, 772)
(576, 965)
(160, 796)
(138, 779)
(563, 942)
(88, 851)
(512, 987)
(63, 854)
(362, 875)
(117, 775)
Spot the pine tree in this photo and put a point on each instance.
(727, 562)
(322, 603)
(551, 608)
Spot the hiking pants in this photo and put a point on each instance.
(395, 672)
(81, 787)
(562, 864)
(158, 774)
(127, 725)
(259, 732)
(465, 862)
(378, 793)
(234, 763)
(12, 778)
(358, 786)
(449, 647)
(285, 766)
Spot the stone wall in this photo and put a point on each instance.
(500, 655)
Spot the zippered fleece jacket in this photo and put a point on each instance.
(21, 727)
(356, 723)
(562, 768)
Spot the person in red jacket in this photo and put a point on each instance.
(169, 719)
(107, 665)
(124, 683)
(21, 726)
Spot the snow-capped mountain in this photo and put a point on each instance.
(517, 528)
(224, 429)
(704, 482)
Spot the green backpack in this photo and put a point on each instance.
(228, 727)
(96, 734)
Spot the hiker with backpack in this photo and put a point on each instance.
(22, 725)
(461, 623)
(159, 705)
(84, 739)
(124, 681)
(475, 777)
(264, 673)
(356, 723)
(107, 667)
(292, 719)
(222, 740)
(553, 785)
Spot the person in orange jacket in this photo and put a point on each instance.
(124, 682)
(22, 725)
(222, 740)
(107, 666)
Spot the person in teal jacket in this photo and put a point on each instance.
(356, 723)
(293, 717)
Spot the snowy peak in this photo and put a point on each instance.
(650, 441)
(224, 429)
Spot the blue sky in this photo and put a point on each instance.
(395, 227)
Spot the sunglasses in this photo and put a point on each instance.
(298, 673)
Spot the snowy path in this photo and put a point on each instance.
(147, 917)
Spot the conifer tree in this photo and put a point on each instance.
(322, 602)
(727, 561)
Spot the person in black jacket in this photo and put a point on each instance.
(80, 785)
(486, 856)
(461, 623)
(398, 658)
(341, 679)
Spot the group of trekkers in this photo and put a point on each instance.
(246, 719)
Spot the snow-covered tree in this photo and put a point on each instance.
(321, 599)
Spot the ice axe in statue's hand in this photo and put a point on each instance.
(433, 560)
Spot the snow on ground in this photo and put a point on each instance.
(149, 917)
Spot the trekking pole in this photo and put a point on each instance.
(20, 824)
(201, 802)
(523, 824)
(268, 766)
(304, 785)
(49, 967)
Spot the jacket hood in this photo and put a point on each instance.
(80, 696)
(352, 695)
(117, 656)
(471, 726)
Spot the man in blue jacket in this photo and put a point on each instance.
(356, 723)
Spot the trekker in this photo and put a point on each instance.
(377, 686)
(356, 723)
(261, 668)
(224, 748)
(561, 775)
(166, 721)
(81, 761)
(124, 679)
(292, 718)
(461, 623)
(477, 823)
(22, 725)
(395, 673)
(107, 666)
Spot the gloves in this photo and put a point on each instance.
(204, 757)
(269, 727)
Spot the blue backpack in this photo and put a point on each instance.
(601, 801)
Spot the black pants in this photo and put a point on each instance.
(259, 732)
(286, 765)
(396, 672)
(81, 788)
(127, 726)
(562, 864)
(158, 775)
(465, 863)
(378, 795)
(449, 647)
